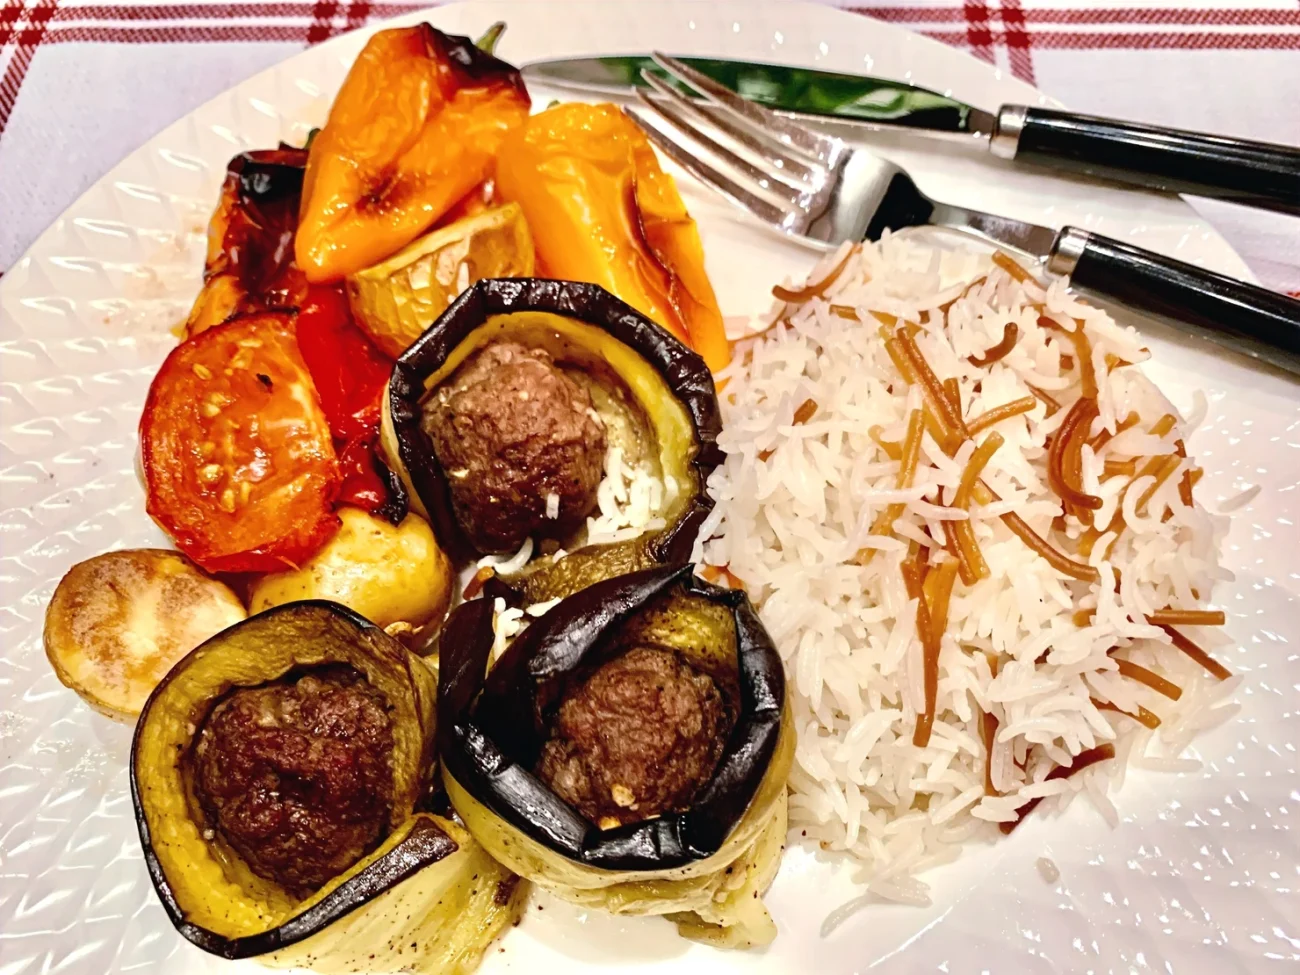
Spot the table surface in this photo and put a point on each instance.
(83, 83)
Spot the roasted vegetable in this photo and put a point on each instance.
(116, 624)
(427, 882)
(387, 573)
(601, 210)
(347, 369)
(706, 866)
(249, 266)
(396, 300)
(237, 456)
(415, 128)
(655, 397)
(439, 921)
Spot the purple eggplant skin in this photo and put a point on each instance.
(424, 845)
(491, 726)
(682, 370)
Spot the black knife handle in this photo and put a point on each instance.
(1256, 174)
(1243, 317)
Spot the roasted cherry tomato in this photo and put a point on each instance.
(237, 455)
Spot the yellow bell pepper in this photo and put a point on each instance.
(602, 211)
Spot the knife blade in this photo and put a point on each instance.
(799, 92)
(1170, 160)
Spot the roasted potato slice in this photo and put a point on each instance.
(387, 573)
(118, 622)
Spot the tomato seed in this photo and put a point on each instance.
(211, 473)
(227, 501)
(202, 371)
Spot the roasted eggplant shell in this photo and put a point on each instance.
(210, 896)
(683, 373)
(490, 734)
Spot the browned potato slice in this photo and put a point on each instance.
(117, 623)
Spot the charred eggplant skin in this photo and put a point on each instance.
(418, 841)
(488, 734)
(683, 372)
(425, 844)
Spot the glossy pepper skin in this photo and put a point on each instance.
(602, 211)
(249, 266)
(350, 373)
(415, 128)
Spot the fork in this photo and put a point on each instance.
(819, 189)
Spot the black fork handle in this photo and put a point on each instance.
(1240, 316)
(1257, 174)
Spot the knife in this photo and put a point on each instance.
(1255, 174)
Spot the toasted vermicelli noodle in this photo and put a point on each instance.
(962, 641)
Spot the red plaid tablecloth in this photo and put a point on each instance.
(84, 83)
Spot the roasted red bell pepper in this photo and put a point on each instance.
(350, 374)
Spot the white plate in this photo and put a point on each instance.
(1202, 873)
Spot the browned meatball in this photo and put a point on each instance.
(638, 738)
(510, 431)
(296, 776)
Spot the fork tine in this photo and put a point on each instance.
(786, 219)
(785, 167)
(822, 148)
(737, 165)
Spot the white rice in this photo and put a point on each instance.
(507, 623)
(629, 502)
(795, 503)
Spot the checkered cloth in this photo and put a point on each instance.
(84, 83)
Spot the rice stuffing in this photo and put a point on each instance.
(629, 502)
(962, 508)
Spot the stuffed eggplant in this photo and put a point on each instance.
(551, 411)
(629, 750)
(276, 774)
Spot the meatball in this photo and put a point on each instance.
(296, 776)
(521, 445)
(636, 739)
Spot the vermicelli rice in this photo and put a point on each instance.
(796, 503)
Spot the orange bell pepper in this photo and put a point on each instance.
(602, 211)
(414, 129)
